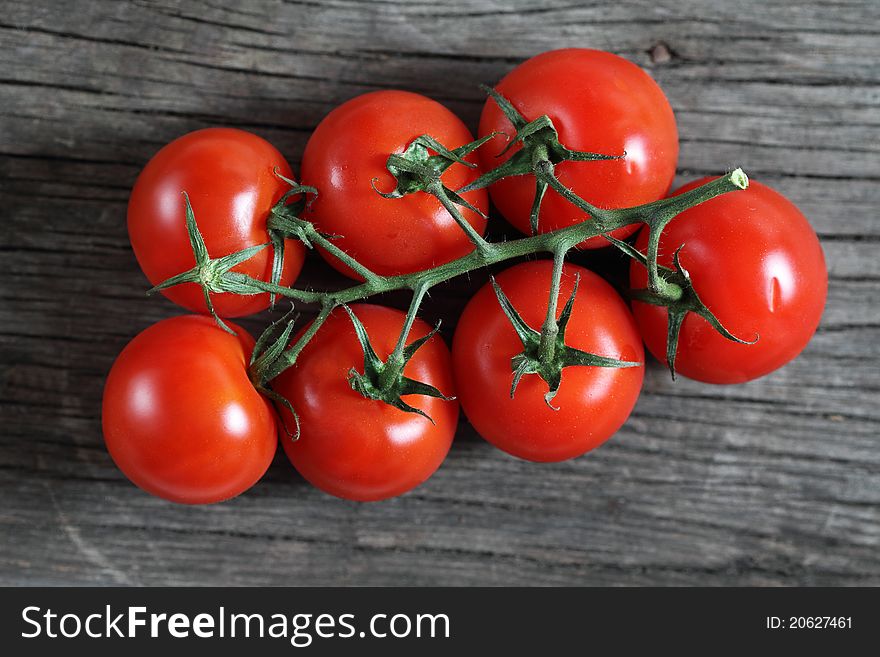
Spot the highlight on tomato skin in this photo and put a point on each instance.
(181, 418)
(592, 402)
(598, 102)
(346, 156)
(363, 449)
(229, 176)
(757, 264)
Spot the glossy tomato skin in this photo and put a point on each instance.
(599, 103)
(357, 448)
(350, 148)
(593, 402)
(229, 177)
(757, 264)
(181, 419)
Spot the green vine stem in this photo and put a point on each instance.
(215, 278)
(655, 215)
(396, 360)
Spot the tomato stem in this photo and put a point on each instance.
(436, 189)
(502, 251)
(550, 329)
(531, 361)
(658, 215)
(396, 361)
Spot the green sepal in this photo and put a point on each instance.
(285, 221)
(529, 361)
(384, 381)
(410, 350)
(677, 309)
(540, 191)
(267, 350)
(416, 170)
(540, 151)
(278, 398)
(268, 347)
(630, 250)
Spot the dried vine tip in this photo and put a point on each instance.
(384, 381)
(739, 178)
(540, 151)
(549, 366)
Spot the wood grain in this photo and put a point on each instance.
(773, 482)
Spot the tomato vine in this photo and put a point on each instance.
(419, 170)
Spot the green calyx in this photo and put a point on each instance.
(540, 151)
(384, 380)
(417, 170)
(212, 275)
(545, 353)
(678, 297)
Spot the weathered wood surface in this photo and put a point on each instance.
(774, 482)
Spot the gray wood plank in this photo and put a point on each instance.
(773, 482)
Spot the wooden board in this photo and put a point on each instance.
(773, 482)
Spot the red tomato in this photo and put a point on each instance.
(593, 402)
(181, 418)
(349, 149)
(358, 448)
(229, 177)
(757, 264)
(599, 103)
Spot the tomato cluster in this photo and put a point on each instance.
(547, 359)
